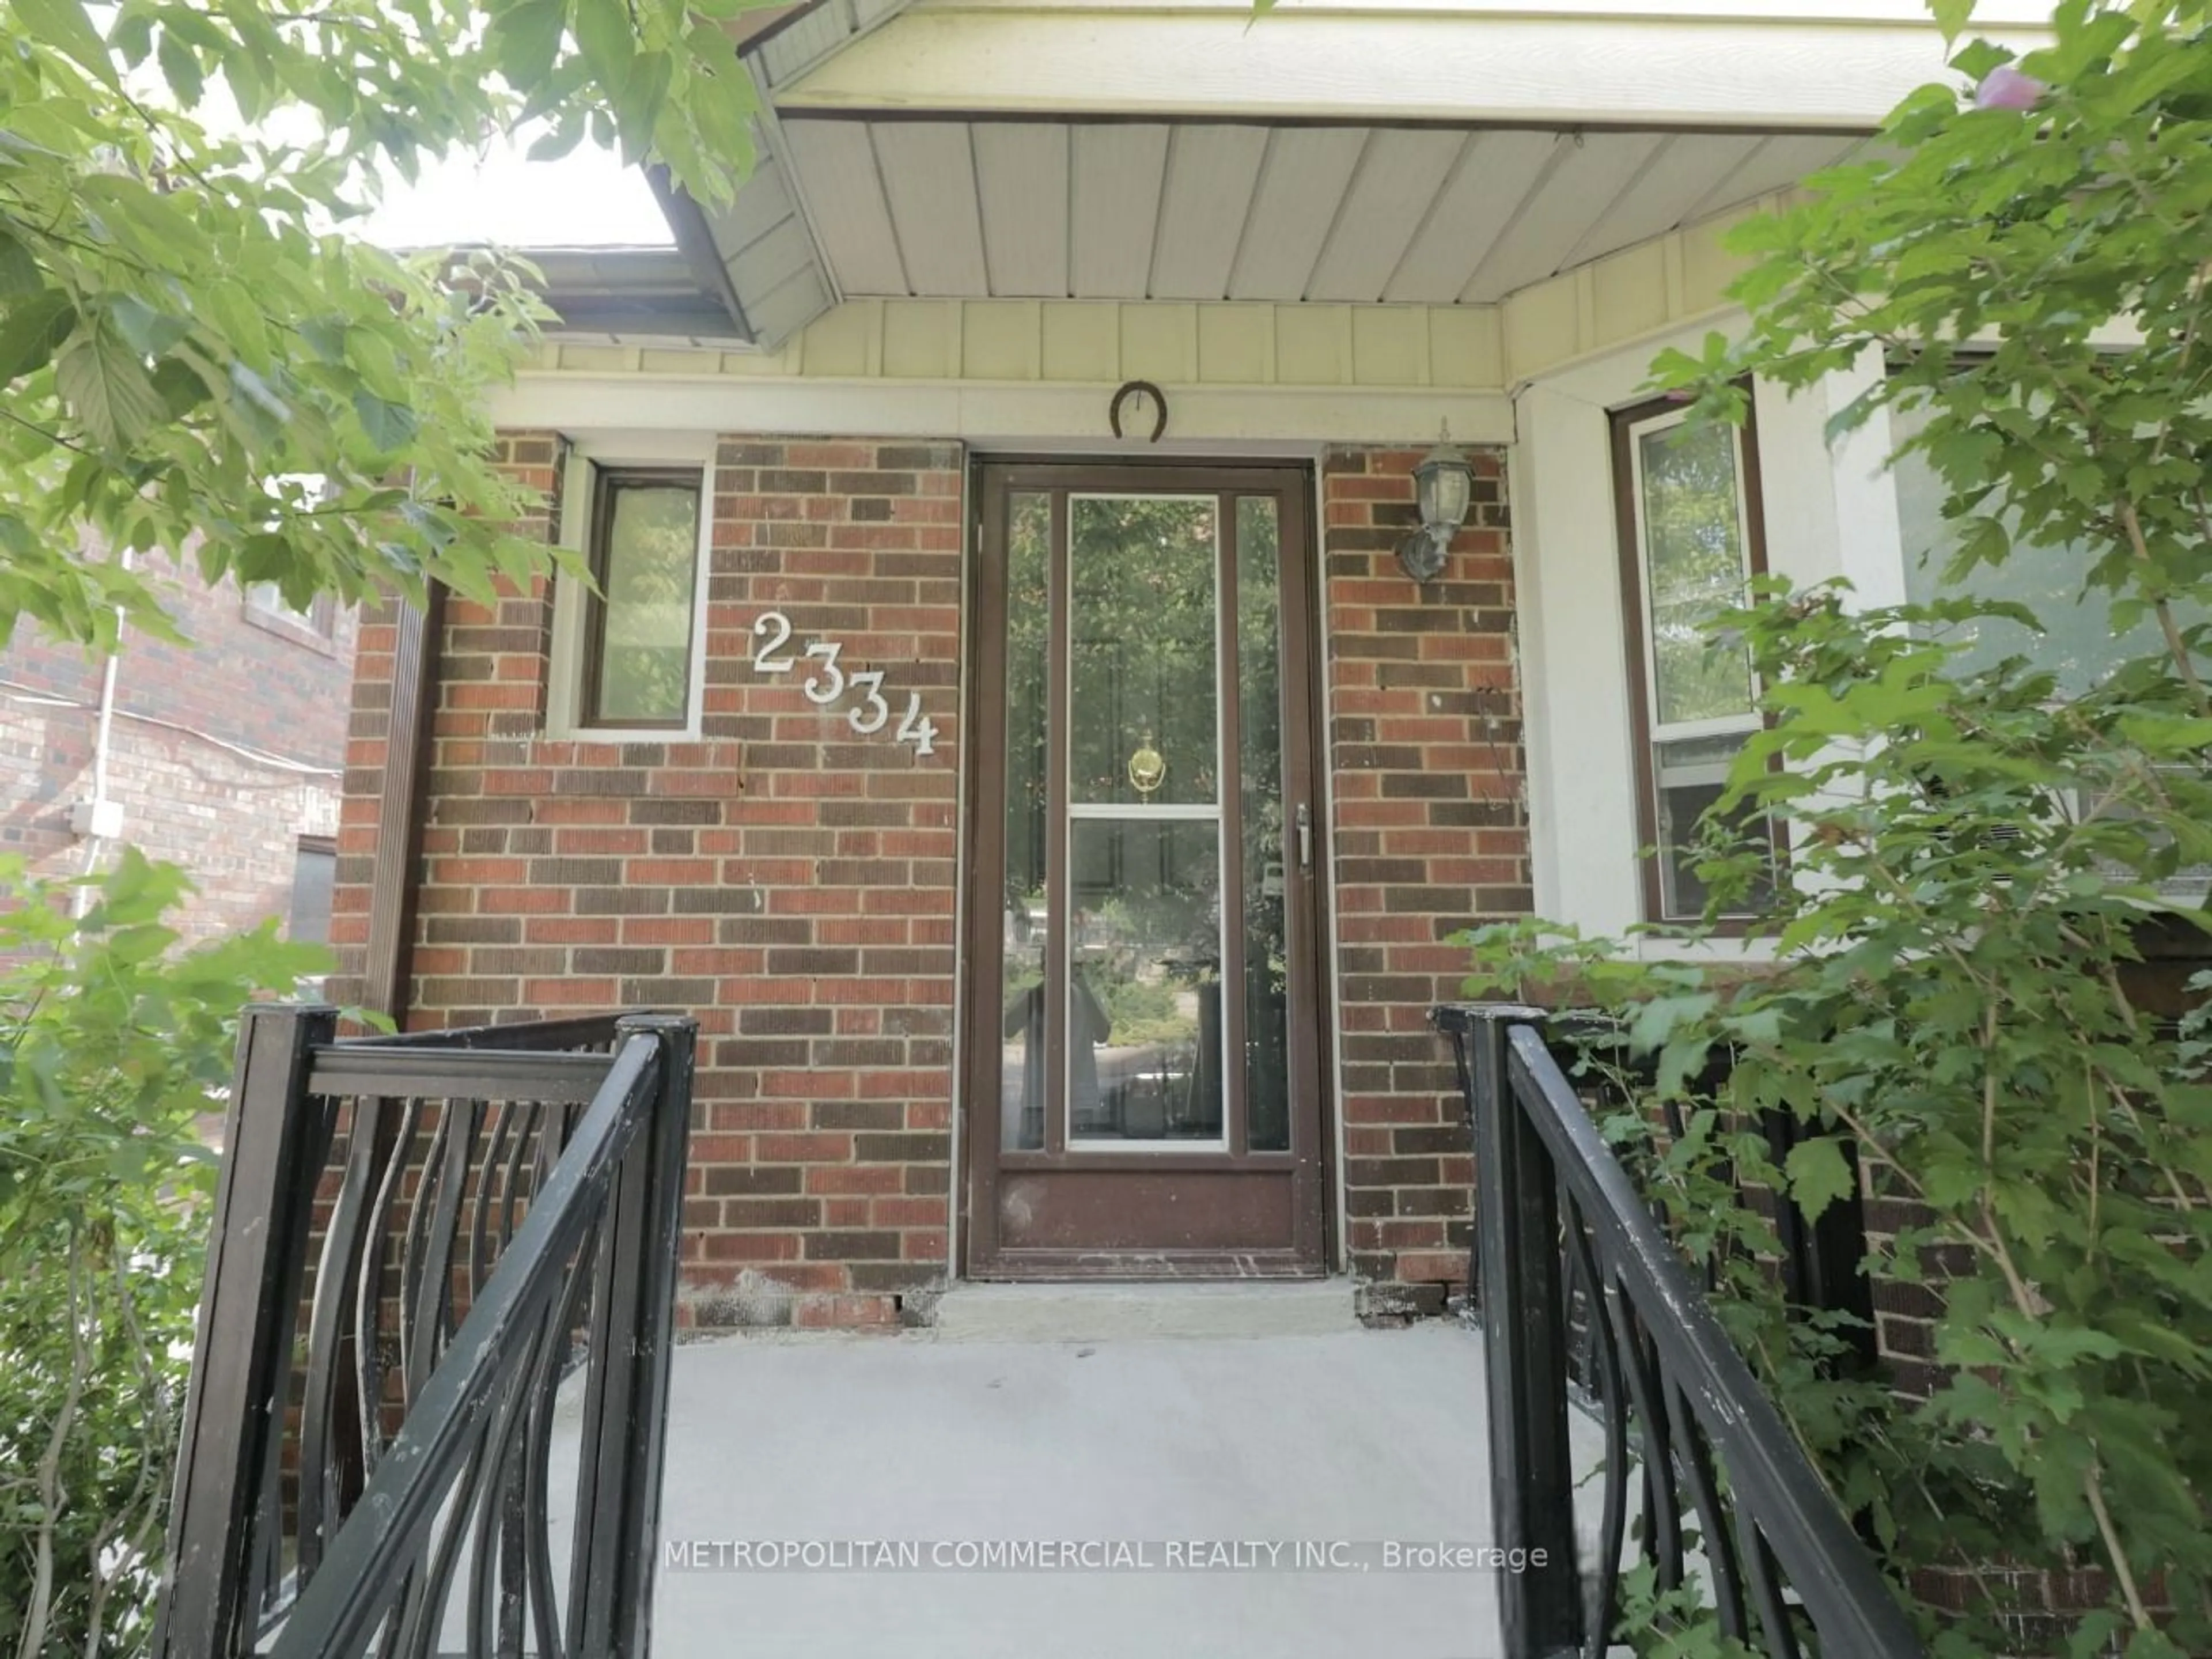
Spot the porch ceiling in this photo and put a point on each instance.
(1201, 210)
(1436, 151)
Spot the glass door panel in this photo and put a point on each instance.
(1023, 897)
(1145, 950)
(1145, 1044)
(1266, 853)
(1145, 1041)
(1144, 663)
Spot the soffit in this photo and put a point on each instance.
(1204, 210)
(758, 255)
(1436, 151)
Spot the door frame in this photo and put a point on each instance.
(1311, 1160)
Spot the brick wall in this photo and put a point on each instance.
(1430, 836)
(182, 715)
(500, 651)
(790, 881)
(795, 884)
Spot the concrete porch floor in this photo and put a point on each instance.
(1084, 1414)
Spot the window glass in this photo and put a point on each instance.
(1689, 777)
(645, 559)
(2078, 644)
(312, 877)
(1689, 553)
(1695, 563)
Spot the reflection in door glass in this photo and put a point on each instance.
(1145, 1041)
(1021, 1075)
(1140, 623)
(1259, 773)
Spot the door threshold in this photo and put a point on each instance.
(1100, 1312)
(1145, 1267)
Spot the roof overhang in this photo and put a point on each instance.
(637, 294)
(1779, 67)
(1432, 151)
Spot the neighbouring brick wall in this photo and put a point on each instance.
(788, 881)
(1430, 836)
(503, 649)
(182, 715)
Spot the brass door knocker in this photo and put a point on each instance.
(1148, 767)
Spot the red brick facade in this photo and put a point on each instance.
(789, 881)
(1430, 836)
(222, 753)
(795, 885)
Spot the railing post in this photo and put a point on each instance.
(626, 1401)
(1531, 1479)
(1822, 1260)
(234, 1416)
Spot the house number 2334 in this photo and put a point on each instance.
(826, 682)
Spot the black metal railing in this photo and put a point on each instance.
(1722, 1484)
(417, 1240)
(1818, 1263)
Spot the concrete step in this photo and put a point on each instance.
(1125, 1312)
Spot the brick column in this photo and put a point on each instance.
(508, 640)
(823, 1179)
(1430, 836)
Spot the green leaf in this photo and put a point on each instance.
(389, 425)
(526, 39)
(140, 943)
(149, 332)
(1818, 1175)
(132, 38)
(1658, 1019)
(180, 68)
(107, 387)
(31, 330)
(63, 26)
(19, 269)
(325, 337)
(181, 388)
(1951, 17)
(637, 107)
(2151, 1643)
(606, 39)
(552, 146)
(257, 394)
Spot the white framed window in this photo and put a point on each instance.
(265, 606)
(1691, 539)
(629, 647)
(2079, 644)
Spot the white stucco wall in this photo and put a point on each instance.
(1828, 512)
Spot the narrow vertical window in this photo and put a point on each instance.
(314, 872)
(1690, 541)
(638, 626)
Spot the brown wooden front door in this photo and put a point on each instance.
(1142, 1092)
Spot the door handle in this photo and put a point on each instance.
(1305, 837)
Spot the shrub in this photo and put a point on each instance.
(1954, 991)
(112, 1046)
(1979, 860)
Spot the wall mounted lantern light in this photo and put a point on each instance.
(1444, 487)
